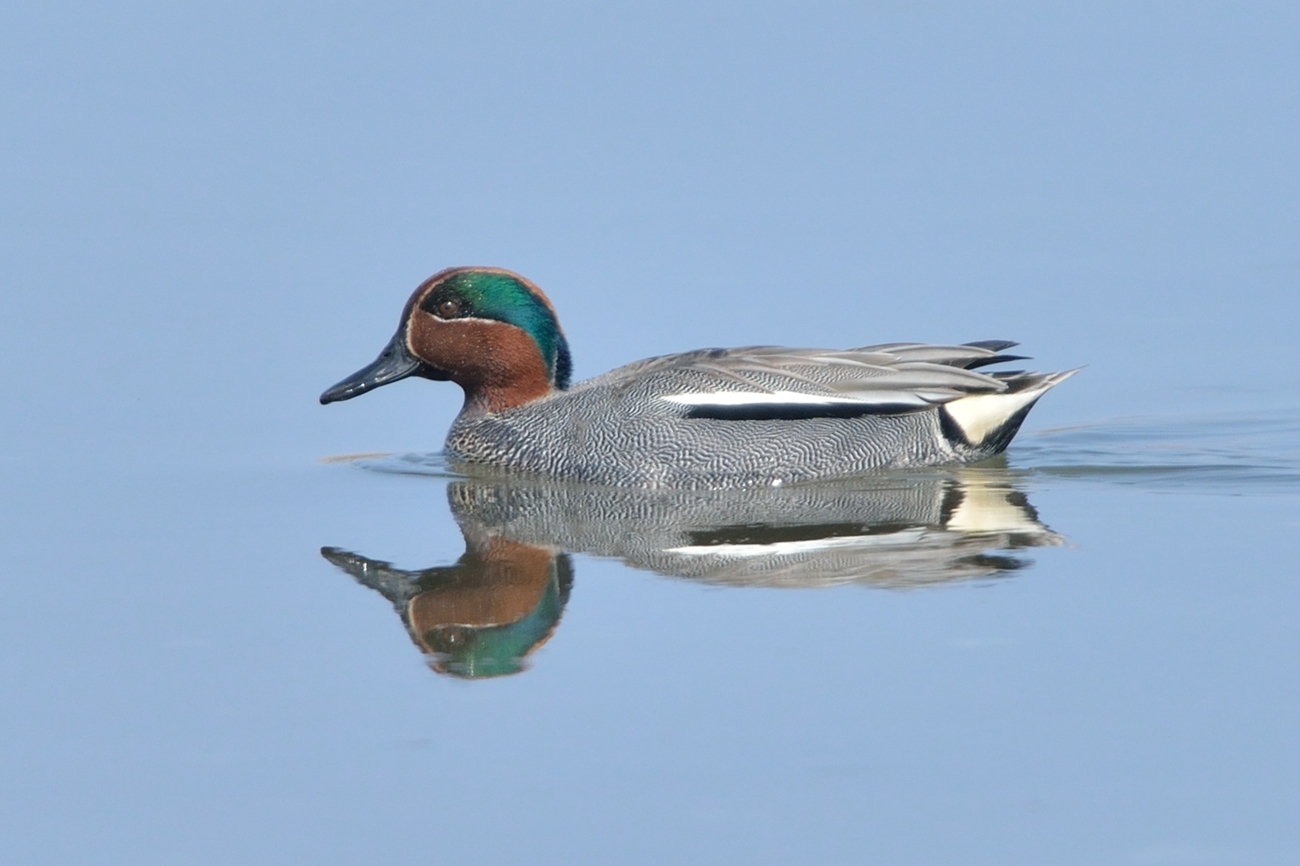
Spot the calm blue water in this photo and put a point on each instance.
(1092, 663)
(220, 643)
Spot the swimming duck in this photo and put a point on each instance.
(708, 419)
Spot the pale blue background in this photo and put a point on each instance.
(211, 212)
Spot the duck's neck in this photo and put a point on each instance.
(499, 365)
(489, 395)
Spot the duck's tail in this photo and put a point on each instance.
(988, 422)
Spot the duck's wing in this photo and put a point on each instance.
(777, 382)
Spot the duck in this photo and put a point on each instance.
(751, 416)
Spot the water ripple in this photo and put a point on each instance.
(1235, 454)
(1217, 453)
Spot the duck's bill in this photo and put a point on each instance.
(394, 363)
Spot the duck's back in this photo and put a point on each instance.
(759, 416)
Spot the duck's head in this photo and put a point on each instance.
(488, 330)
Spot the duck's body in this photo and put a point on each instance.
(745, 417)
(713, 418)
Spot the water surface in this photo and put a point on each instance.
(216, 648)
(1084, 655)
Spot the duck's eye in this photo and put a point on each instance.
(448, 308)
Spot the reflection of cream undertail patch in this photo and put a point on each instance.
(989, 509)
(982, 414)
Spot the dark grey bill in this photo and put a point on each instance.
(394, 363)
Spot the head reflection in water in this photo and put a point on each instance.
(504, 598)
(480, 617)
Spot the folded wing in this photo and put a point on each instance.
(771, 382)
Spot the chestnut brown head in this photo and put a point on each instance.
(488, 330)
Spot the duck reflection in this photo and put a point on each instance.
(484, 615)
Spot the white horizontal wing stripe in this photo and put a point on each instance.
(760, 398)
(787, 548)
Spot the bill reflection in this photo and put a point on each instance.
(484, 615)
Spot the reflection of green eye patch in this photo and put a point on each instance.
(501, 650)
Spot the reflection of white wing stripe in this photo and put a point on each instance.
(786, 548)
(794, 398)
